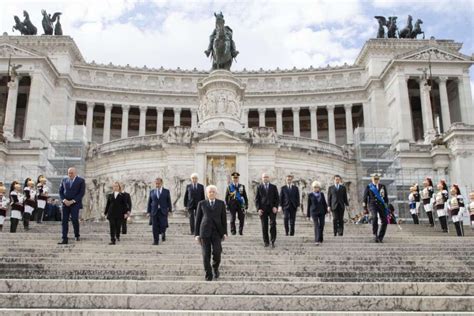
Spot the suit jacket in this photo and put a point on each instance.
(266, 200)
(289, 198)
(337, 198)
(231, 200)
(316, 207)
(75, 191)
(128, 200)
(193, 197)
(159, 206)
(116, 207)
(370, 201)
(209, 219)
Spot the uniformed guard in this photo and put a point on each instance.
(441, 198)
(237, 203)
(376, 200)
(414, 199)
(456, 208)
(427, 199)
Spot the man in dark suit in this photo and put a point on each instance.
(289, 202)
(193, 195)
(159, 206)
(337, 202)
(128, 200)
(237, 203)
(376, 200)
(71, 191)
(266, 202)
(211, 229)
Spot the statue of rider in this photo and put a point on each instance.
(228, 34)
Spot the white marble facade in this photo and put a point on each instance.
(386, 82)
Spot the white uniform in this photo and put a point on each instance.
(4, 202)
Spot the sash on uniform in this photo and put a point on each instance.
(376, 192)
(234, 190)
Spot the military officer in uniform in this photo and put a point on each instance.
(376, 201)
(237, 203)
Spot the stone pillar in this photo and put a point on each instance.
(331, 124)
(142, 125)
(279, 120)
(245, 117)
(159, 120)
(465, 100)
(314, 122)
(426, 110)
(443, 96)
(261, 117)
(177, 117)
(125, 110)
(349, 128)
(10, 112)
(89, 119)
(405, 124)
(296, 122)
(367, 116)
(194, 118)
(107, 118)
(33, 109)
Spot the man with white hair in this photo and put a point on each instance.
(193, 195)
(266, 202)
(211, 230)
(71, 191)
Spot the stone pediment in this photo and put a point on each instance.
(434, 54)
(222, 136)
(7, 50)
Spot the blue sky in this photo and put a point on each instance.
(269, 34)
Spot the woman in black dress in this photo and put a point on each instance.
(115, 210)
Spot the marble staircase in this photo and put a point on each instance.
(417, 269)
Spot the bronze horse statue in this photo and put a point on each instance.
(48, 22)
(417, 29)
(407, 30)
(25, 27)
(221, 45)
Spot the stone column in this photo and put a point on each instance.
(443, 96)
(177, 117)
(465, 99)
(405, 124)
(296, 122)
(142, 124)
(279, 120)
(366, 113)
(261, 117)
(349, 128)
(426, 110)
(194, 122)
(10, 112)
(107, 118)
(33, 109)
(245, 117)
(89, 119)
(331, 124)
(159, 120)
(314, 122)
(125, 111)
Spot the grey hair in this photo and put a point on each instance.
(316, 184)
(194, 175)
(211, 187)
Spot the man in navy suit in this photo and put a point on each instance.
(289, 201)
(337, 202)
(266, 202)
(193, 195)
(159, 206)
(71, 191)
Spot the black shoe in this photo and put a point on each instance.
(241, 233)
(273, 244)
(63, 242)
(163, 238)
(112, 243)
(78, 238)
(287, 234)
(124, 233)
(381, 241)
(118, 239)
(155, 243)
(377, 240)
(267, 244)
(233, 233)
(209, 277)
(216, 273)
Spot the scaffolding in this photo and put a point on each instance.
(67, 148)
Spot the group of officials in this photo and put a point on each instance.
(207, 216)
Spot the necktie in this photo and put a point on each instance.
(337, 186)
(194, 187)
(266, 186)
(69, 182)
(158, 193)
(212, 203)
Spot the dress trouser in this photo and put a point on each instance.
(289, 219)
(192, 219)
(13, 224)
(234, 213)
(72, 212)
(375, 223)
(415, 219)
(115, 225)
(124, 226)
(338, 220)
(211, 244)
(319, 221)
(268, 215)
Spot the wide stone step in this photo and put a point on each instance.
(236, 287)
(236, 302)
